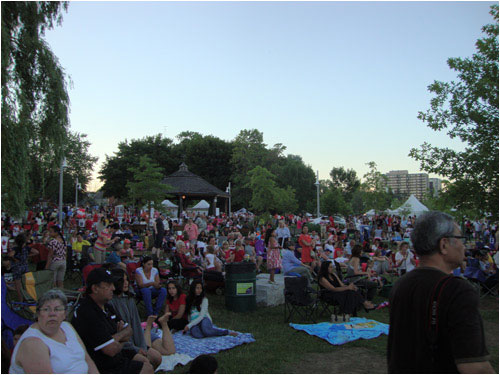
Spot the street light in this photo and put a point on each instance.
(317, 192)
(63, 165)
(77, 187)
(228, 190)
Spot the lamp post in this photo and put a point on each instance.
(317, 193)
(63, 165)
(228, 190)
(77, 187)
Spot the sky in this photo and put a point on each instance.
(338, 83)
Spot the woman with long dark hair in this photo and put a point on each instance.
(175, 308)
(335, 291)
(200, 322)
(358, 276)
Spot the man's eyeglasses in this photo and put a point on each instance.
(57, 309)
(462, 238)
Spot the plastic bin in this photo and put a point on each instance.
(240, 290)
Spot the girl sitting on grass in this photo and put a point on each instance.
(200, 323)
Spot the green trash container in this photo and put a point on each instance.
(240, 288)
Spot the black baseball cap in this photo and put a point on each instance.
(99, 275)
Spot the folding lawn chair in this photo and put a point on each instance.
(478, 278)
(10, 320)
(299, 299)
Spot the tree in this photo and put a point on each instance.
(468, 110)
(266, 196)
(333, 202)
(115, 171)
(147, 188)
(35, 101)
(206, 156)
(249, 151)
(374, 180)
(345, 180)
(300, 177)
(80, 164)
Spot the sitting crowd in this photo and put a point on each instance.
(107, 333)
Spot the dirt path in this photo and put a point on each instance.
(341, 362)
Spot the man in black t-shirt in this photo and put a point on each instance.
(104, 332)
(459, 344)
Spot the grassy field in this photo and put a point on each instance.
(281, 349)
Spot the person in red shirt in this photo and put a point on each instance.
(306, 243)
(175, 308)
(237, 254)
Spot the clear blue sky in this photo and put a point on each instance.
(339, 83)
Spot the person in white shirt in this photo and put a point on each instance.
(405, 261)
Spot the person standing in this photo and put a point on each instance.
(192, 230)
(306, 243)
(159, 233)
(283, 234)
(104, 240)
(435, 324)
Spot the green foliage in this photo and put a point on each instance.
(333, 202)
(468, 110)
(374, 180)
(35, 101)
(249, 151)
(345, 180)
(266, 196)
(115, 171)
(146, 187)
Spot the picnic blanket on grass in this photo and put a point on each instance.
(340, 333)
(188, 348)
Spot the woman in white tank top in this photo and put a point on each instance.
(51, 345)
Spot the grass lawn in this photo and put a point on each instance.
(281, 349)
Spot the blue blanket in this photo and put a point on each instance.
(340, 333)
(185, 344)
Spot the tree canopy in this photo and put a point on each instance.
(468, 110)
(35, 107)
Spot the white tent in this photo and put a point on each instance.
(168, 204)
(412, 206)
(371, 213)
(170, 207)
(201, 207)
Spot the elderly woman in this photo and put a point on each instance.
(51, 345)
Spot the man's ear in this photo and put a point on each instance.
(443, 244)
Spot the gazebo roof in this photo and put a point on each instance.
(187, 183)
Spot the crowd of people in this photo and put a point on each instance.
(108, 334)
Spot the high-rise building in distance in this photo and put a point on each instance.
(403, 183)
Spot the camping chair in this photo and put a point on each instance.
(34, 285)
(299, 299)
(325, 305)
(73, 273)
(478, 279)
(10, 320)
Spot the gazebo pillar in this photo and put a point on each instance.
(180, 207)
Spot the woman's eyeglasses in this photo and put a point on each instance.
(57, 309)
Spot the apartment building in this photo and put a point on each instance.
(403, 183)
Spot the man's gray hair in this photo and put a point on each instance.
(52, 295)
(430, 227)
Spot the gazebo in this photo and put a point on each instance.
(186, 185)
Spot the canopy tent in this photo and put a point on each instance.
(242, 211)
(170, 207)
(168, 204)
(412, 207)
(371, 213)
(201, 207)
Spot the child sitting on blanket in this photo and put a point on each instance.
(200, 323)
